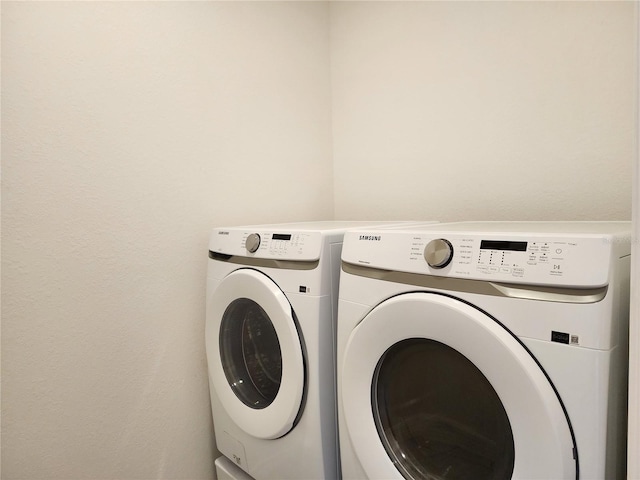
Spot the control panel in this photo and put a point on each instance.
(509, 259)
(278, 245)
(572, 261)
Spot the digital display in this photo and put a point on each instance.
(281, 236)
(503, 245)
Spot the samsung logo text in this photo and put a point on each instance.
(371, 238)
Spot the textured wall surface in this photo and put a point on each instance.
(129, 130)
(483, 110)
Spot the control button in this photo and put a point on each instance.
(505, 270)
(252, 243)
(558, 250)
(518, 272)
(438, 253)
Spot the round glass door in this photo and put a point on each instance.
(250, 353)
(254, 353)
(438, 416)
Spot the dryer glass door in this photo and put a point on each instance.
(437, 413)
(451, 394)
(255, 354)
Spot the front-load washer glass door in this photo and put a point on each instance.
(450, 394)
(255, 354)
(250, 353)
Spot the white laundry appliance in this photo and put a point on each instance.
(484, 351)
(272, 293)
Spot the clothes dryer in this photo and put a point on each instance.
(270, 340)
(485, 351)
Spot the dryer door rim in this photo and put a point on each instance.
(279, 417)
(543, 441)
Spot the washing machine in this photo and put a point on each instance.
(484, 351)
(272, 294)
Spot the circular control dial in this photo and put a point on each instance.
(252, 243)
(438, 253)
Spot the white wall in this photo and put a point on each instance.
(129, 130)
(483, 110)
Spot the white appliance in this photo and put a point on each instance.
(484, 351)
(272, 293)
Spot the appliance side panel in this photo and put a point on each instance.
(335, 254)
